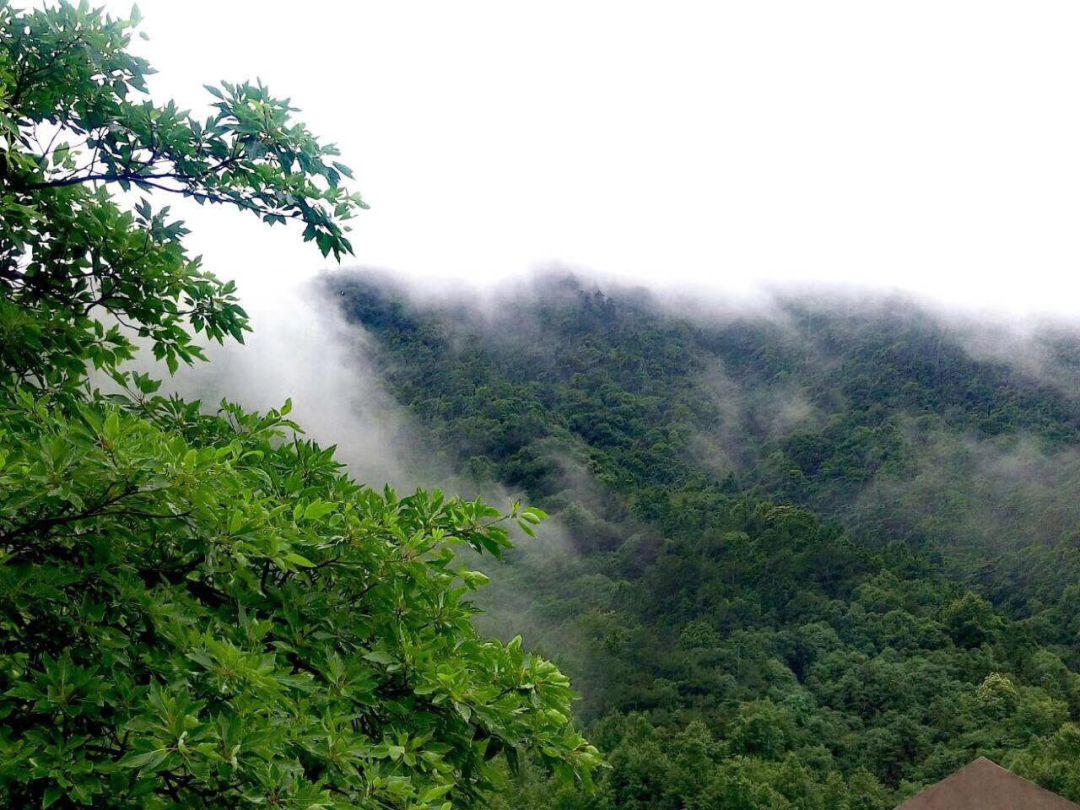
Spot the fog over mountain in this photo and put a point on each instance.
(303, 349)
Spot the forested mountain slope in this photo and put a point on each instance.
(810, 558)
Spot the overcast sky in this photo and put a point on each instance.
(931, 146)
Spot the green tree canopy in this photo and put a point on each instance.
(201, 610)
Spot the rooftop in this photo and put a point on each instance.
(984, 785)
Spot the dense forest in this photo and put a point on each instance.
(814, 557)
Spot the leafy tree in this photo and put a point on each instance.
(75, 123)
(200, 610)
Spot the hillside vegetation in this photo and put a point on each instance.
(811, 558)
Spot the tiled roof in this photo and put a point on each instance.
(983, 785)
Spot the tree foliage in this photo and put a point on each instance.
(200, 609)
(76, 123)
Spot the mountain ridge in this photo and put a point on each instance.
(792, 535)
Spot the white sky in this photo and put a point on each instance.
(932, 146)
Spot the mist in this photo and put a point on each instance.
(301, 349)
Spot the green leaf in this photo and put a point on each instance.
(296, 559)
(318, 509)
(147, 761)
(435, 793)
(474, 579)
(51, 795)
